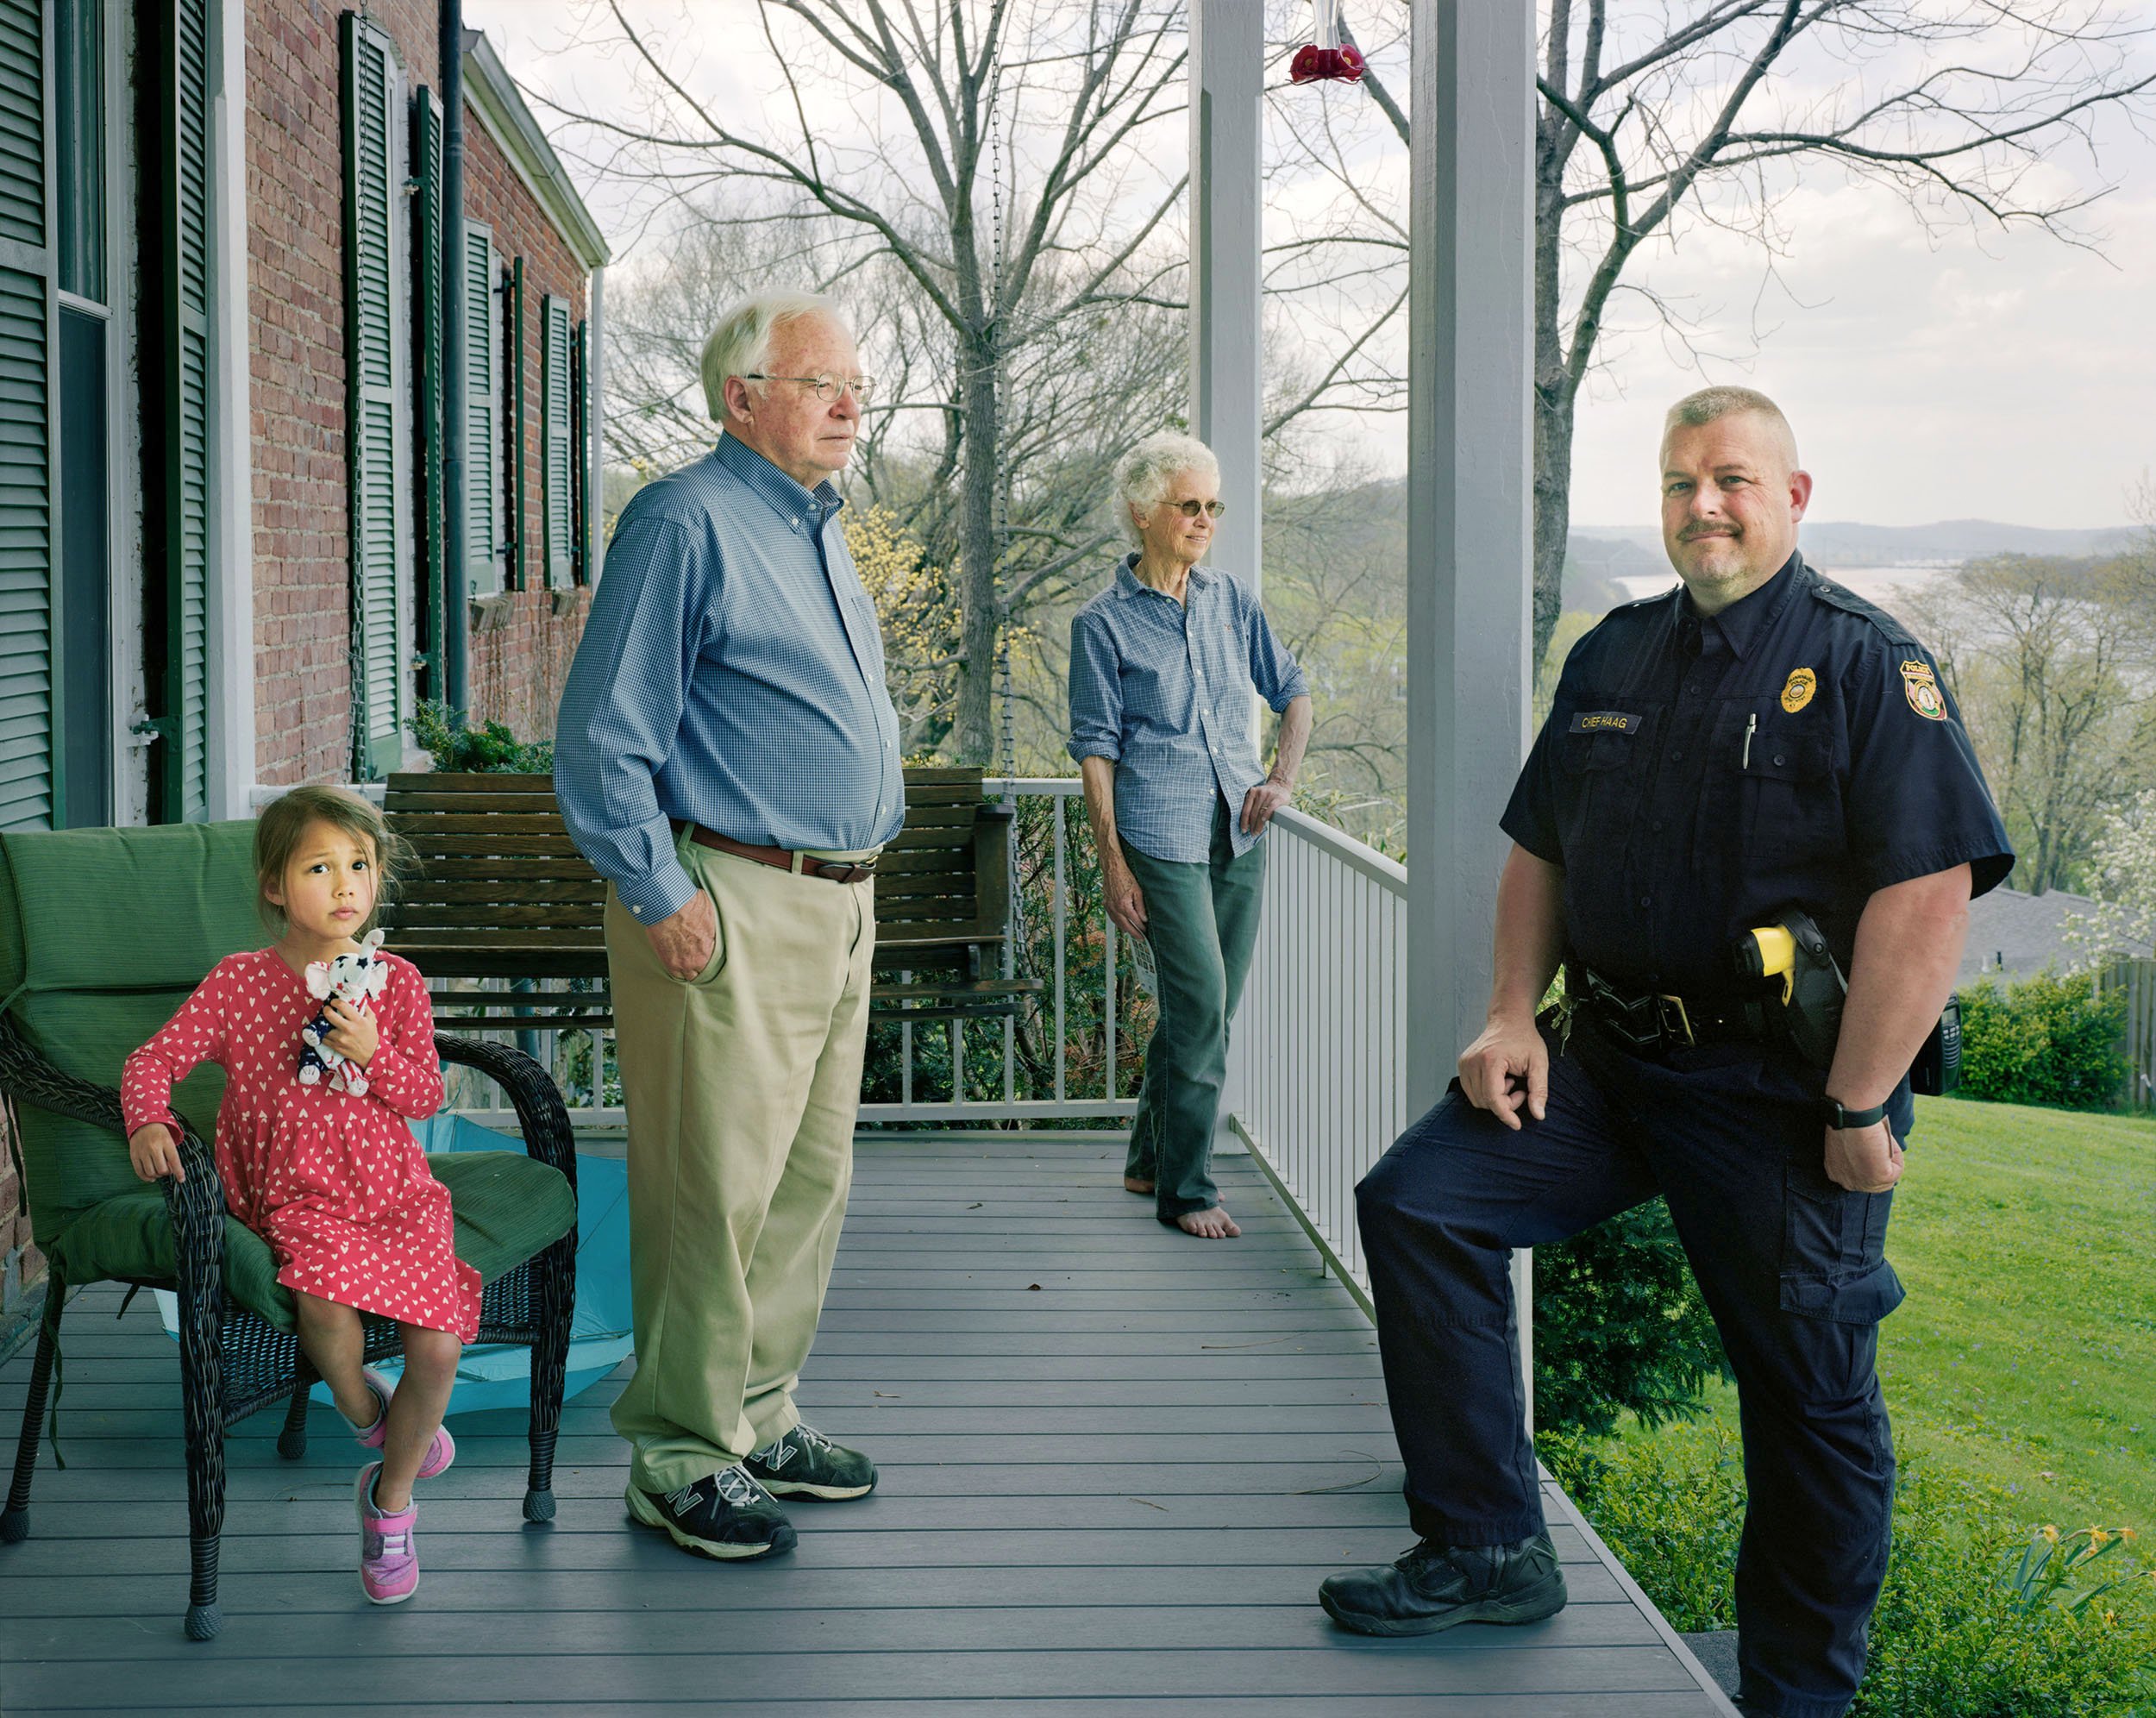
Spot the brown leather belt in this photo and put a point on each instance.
(782, 859)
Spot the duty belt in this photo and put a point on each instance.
(1656, 1023)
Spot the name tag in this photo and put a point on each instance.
(1604, 721)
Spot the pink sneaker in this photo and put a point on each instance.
(440, 1453)
(389, 1553)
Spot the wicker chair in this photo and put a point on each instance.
(516, 1215)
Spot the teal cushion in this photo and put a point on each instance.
(507, 1208)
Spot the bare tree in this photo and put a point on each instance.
(1653, 115)
(994, 156)
(2049, 659)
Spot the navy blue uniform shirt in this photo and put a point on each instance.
(1697, 777)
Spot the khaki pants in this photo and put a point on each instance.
(741, 1087)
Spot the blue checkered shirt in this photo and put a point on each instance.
(1162, 689)
(731, 674)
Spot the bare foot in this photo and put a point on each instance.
(1214, 1225)
(1133, 1184)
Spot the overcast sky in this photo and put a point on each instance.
(1928, 377)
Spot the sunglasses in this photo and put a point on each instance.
(1190, 510)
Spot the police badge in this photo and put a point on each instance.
(1924, 695)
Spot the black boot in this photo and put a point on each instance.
(1435, 1586)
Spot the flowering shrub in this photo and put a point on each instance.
(1982, 1616)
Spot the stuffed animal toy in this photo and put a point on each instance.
(356, 979)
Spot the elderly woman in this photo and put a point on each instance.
(1161, 663)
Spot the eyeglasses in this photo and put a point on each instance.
(824, 387)
(1190, 510)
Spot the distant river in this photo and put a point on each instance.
(1880, 585)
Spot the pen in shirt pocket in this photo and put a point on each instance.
(1752, 727)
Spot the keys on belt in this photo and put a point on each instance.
(1656, 1023)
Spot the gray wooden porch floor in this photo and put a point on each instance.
(1116, 1463)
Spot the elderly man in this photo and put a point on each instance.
(727, 757)
(1161, 663)
(1756, 744)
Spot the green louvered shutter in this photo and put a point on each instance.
(513, 381)
(426, 268)
(557, 441)
(375, 427)
(29, 689)
(580, 453)
(182, 508)
(482, 412)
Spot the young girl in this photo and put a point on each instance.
(334, 1183)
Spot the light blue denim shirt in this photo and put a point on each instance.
(1163, 689)
(731, 674)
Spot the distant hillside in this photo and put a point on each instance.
(1854, 545)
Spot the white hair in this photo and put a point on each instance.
(1144, 475)
(740, 344)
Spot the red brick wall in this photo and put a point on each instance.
(295, 312)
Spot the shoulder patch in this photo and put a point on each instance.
(1836, 596)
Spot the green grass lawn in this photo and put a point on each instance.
(2026, 1352)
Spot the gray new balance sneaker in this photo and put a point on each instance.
(1439, 1586)
(806, 1463)
(724, 1514)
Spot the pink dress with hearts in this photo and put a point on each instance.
(336, 1184)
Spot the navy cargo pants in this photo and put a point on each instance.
(1791, 1267)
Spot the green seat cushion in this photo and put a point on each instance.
(104, 933)
(507, 1208)
(74, 1166)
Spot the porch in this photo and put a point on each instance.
(1116, 1463)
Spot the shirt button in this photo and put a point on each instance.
(1677, 757)
(1778, 761)
(1646, 900)
(1657, 825)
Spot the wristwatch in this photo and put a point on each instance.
(1832, 1113)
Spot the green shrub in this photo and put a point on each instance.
(489, 749)
(1961, 1631)
(2046, 1040)
(1982, 1615)
(1671, 1507)
(1619, 1327)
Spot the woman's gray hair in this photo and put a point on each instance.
(1142, 476)
(740, 344)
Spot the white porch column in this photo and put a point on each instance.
(1469, 538)
(1227, 92)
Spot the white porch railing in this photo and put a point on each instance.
(1317, 1071)
(1316, 1088)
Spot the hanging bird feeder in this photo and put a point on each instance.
(1327, 59)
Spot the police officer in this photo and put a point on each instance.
(1757, 741)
